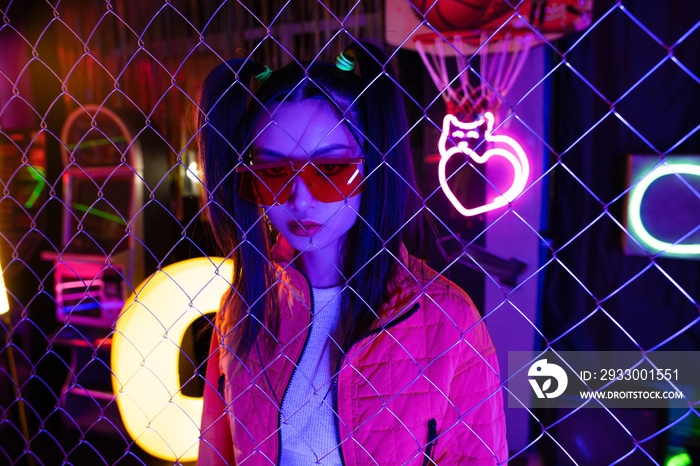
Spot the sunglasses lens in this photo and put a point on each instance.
(333, 182)
(268, 186)
(327, 182)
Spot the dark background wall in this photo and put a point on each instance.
(630, 86)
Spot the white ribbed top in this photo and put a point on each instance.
(308, 419)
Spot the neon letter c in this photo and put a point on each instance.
(635, 209)
(145, 351)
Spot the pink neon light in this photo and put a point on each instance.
(511, 152)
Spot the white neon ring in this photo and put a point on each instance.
(635, 210)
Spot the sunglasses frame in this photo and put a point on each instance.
(299, 166)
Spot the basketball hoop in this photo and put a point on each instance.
(501, 58)
(502, 45)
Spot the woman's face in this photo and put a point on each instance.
(304, 131)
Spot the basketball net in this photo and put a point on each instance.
(500, 62)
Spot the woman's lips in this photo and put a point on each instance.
(304, 228)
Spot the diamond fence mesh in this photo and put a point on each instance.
(113, 276)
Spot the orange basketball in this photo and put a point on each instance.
(558, 17)
(563, 16)
(452, 15)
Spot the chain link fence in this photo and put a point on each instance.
(103, 211)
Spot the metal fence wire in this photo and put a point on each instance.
(581, 234)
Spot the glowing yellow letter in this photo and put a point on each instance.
(4, 303)
(146, 348)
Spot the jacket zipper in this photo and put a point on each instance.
(303, 349)
(403, 317)
(432, 441)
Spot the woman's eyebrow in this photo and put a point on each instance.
(268, 152)
(330, 149)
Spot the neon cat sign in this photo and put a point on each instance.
(502, 146)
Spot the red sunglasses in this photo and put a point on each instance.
(328, 180)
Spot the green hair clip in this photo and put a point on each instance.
(343, 63)
(263, 75)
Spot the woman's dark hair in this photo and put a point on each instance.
(370, 102)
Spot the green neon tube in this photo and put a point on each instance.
(99, 213)
(37, 173)
(635, 210)
(96, 142)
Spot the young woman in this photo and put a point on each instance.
(335, 345)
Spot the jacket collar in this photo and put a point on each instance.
(282, 251)
(403, 291)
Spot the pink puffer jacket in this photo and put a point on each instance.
(423, 384)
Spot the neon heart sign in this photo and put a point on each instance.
(502, 146)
